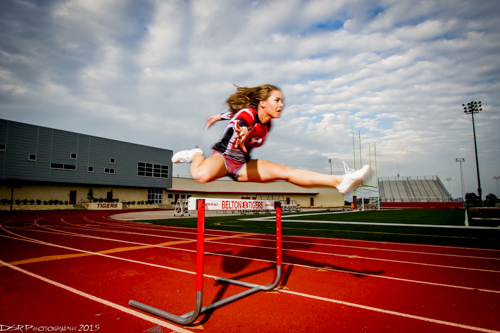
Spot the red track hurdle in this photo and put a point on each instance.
(220, 204)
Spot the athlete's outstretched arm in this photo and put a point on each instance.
(218, 117)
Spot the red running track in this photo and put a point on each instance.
(78, 270)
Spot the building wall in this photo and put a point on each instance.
(67, 157)
(182, 188)
(61, 192)
(321, 196)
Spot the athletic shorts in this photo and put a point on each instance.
(233, 167)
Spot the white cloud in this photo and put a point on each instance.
(151, 72)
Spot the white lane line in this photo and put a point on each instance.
(371, 248)
(394, 224)
(251, 259)
(181, 330)
(301, 251)
(398, 261)
(100, 300)
(330, 254)
(290, 292)
(394, 313)
(328, 238)
(285, 241)
(284, 219)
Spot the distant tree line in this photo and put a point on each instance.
(472, 200)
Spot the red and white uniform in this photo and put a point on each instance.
(257, 133)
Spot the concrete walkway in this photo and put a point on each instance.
(169, 214)
(164, 214)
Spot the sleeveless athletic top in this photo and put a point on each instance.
(256, 136)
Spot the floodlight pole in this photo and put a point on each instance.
(330, 161)
(497, 178)
(471, 108)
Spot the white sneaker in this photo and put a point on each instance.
(352, 179)
(186, 156)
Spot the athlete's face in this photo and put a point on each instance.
(273, 104)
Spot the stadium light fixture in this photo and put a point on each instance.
(471, 108)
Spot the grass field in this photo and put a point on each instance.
(326, 224)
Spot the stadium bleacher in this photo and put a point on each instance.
(415, 192)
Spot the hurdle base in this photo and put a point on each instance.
(254, 288)
(267, 287)
(182, 320)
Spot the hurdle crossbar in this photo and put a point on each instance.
(201, 205)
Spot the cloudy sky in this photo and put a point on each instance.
(394, 72)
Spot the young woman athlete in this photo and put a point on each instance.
(250, 113)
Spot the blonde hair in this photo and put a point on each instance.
(245, 97)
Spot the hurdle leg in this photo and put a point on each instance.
(253, 287)
(186, 320)
(278, 249)
(278, 260)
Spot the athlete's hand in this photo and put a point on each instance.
(241, 136)
(212, 119)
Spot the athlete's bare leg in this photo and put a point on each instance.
(208, 169)
(262, 171)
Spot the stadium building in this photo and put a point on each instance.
(41, 167)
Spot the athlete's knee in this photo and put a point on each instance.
(284, 172)
(202, 176)
(206, 174)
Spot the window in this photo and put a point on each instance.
(155, 196)
(108, 170)
(72, 156)
(152, 170)
(112, 160)
(3, 147)
(145, 169)
(91, 169)
(32, 157)
(62, 166)
(156, 170)
(164, 171)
